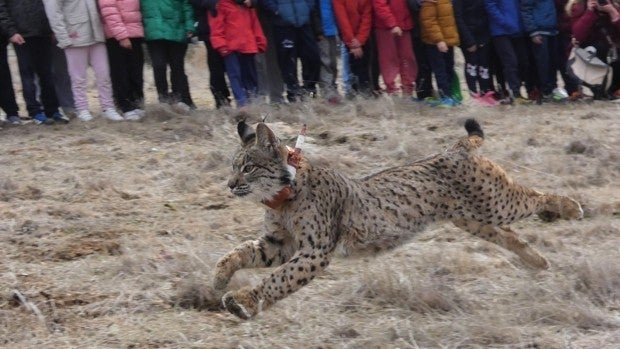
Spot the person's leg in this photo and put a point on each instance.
(77, 63)
(101, 66)
(233, 70)
(329, 67)
(375, 71)
(542, 64)
(388, 58)
(438, 61)
(272, 80)
(510, 65)
(119, 74)
(482, 59)
(360, 72)
(471, 71)
(40, 52)
(248, 75)
(178, 78)
(407, 63)
(7, 93)
(62, 81)
(159, 61)
(136, 73)
(308, 51)
(424, 78)
(27, 75)
(217, 78)
(524, 65)
(564, 42)
(346, 68)
(287, 59)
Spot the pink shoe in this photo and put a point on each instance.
(489, 99)
(478, 99)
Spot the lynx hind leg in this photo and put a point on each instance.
(506, 238)
(559, 207)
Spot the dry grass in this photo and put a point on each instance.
(112, 231)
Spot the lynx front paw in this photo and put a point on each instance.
(241, 303)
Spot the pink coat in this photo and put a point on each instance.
(121, 19)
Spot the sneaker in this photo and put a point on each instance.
(521, 100)
(559, 94)
(140, 112)
(132, 115)
(575, 96)
(489, 99)
(182, 108)
(112, 114)
(58, 117)
(84, 115)
(14, 120)
(446, 102)
(41, 119)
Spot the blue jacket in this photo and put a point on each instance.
(504, 17)
(328, 20)
(472, 22)
(290, 12)
(539, 17)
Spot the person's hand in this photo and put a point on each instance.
(537, 39)
(248, 3)
(125, 43)
(591, 5)
(397, 31)
(355, 43)
(17, 39)
(472, 48)
(442, 47)
(357, 52)
(610, 9)
(189, 34)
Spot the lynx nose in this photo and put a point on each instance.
(232, 183)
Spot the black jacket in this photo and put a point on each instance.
(472, 22)
(200, 15)
(26, 17)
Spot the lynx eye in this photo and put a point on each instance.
(248, 168)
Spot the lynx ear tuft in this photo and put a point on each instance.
(265, 137)
(246, 133)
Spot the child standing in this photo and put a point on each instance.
(7, 94)
(354, 19)
(440, 35)
(84, 44)
(238, 36)
(122, 23)
(473, 25)
(328, 48)
(393, 24)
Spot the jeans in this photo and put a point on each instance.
(241, 70)
(442, 64)
(545, 63)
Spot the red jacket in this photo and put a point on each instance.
(392, 13)
(354, 18)
(588, 26)
(236, 29)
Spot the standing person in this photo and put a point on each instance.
(295, 39)
(564, 43)
(122, 24)
(393, 24)
(7, 94)
(354, 19)
(440, 35)
(168, 26)
(424, 79)
(270, 83)
(541, 23)
(62, 81)
(473, 24)
(237, 35)
(508, 36)
(329, 51)
(598, 25)
(84, 44)
(29, 31)
(215, 61)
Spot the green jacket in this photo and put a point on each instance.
(167, 19)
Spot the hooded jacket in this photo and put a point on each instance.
(26, 17)
(392, 13)
(504, 17)
(167, 19)
(472, 22)
(121, 19)
(236, 29)
(437, 23)
(75, 22)
(354, 18)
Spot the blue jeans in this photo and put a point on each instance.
(241, 70)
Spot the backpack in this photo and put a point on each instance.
(589, 70)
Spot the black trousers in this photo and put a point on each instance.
(424, 80)
(360, 72)
(34, 62)
(217, 76)
(166, 53)
(293, 43)
(126, 73)
(514, 56)
(7, 94)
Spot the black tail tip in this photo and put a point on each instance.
(473, 128)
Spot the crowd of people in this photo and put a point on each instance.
(513, 51)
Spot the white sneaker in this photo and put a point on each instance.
(132, 115)
(84, 115)
(112, 114)
(141, 112)
(182, 108)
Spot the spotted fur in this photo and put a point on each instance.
(328, 210)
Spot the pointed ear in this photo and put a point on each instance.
(246, 133)
(265, 137)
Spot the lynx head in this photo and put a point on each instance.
(259, 167)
